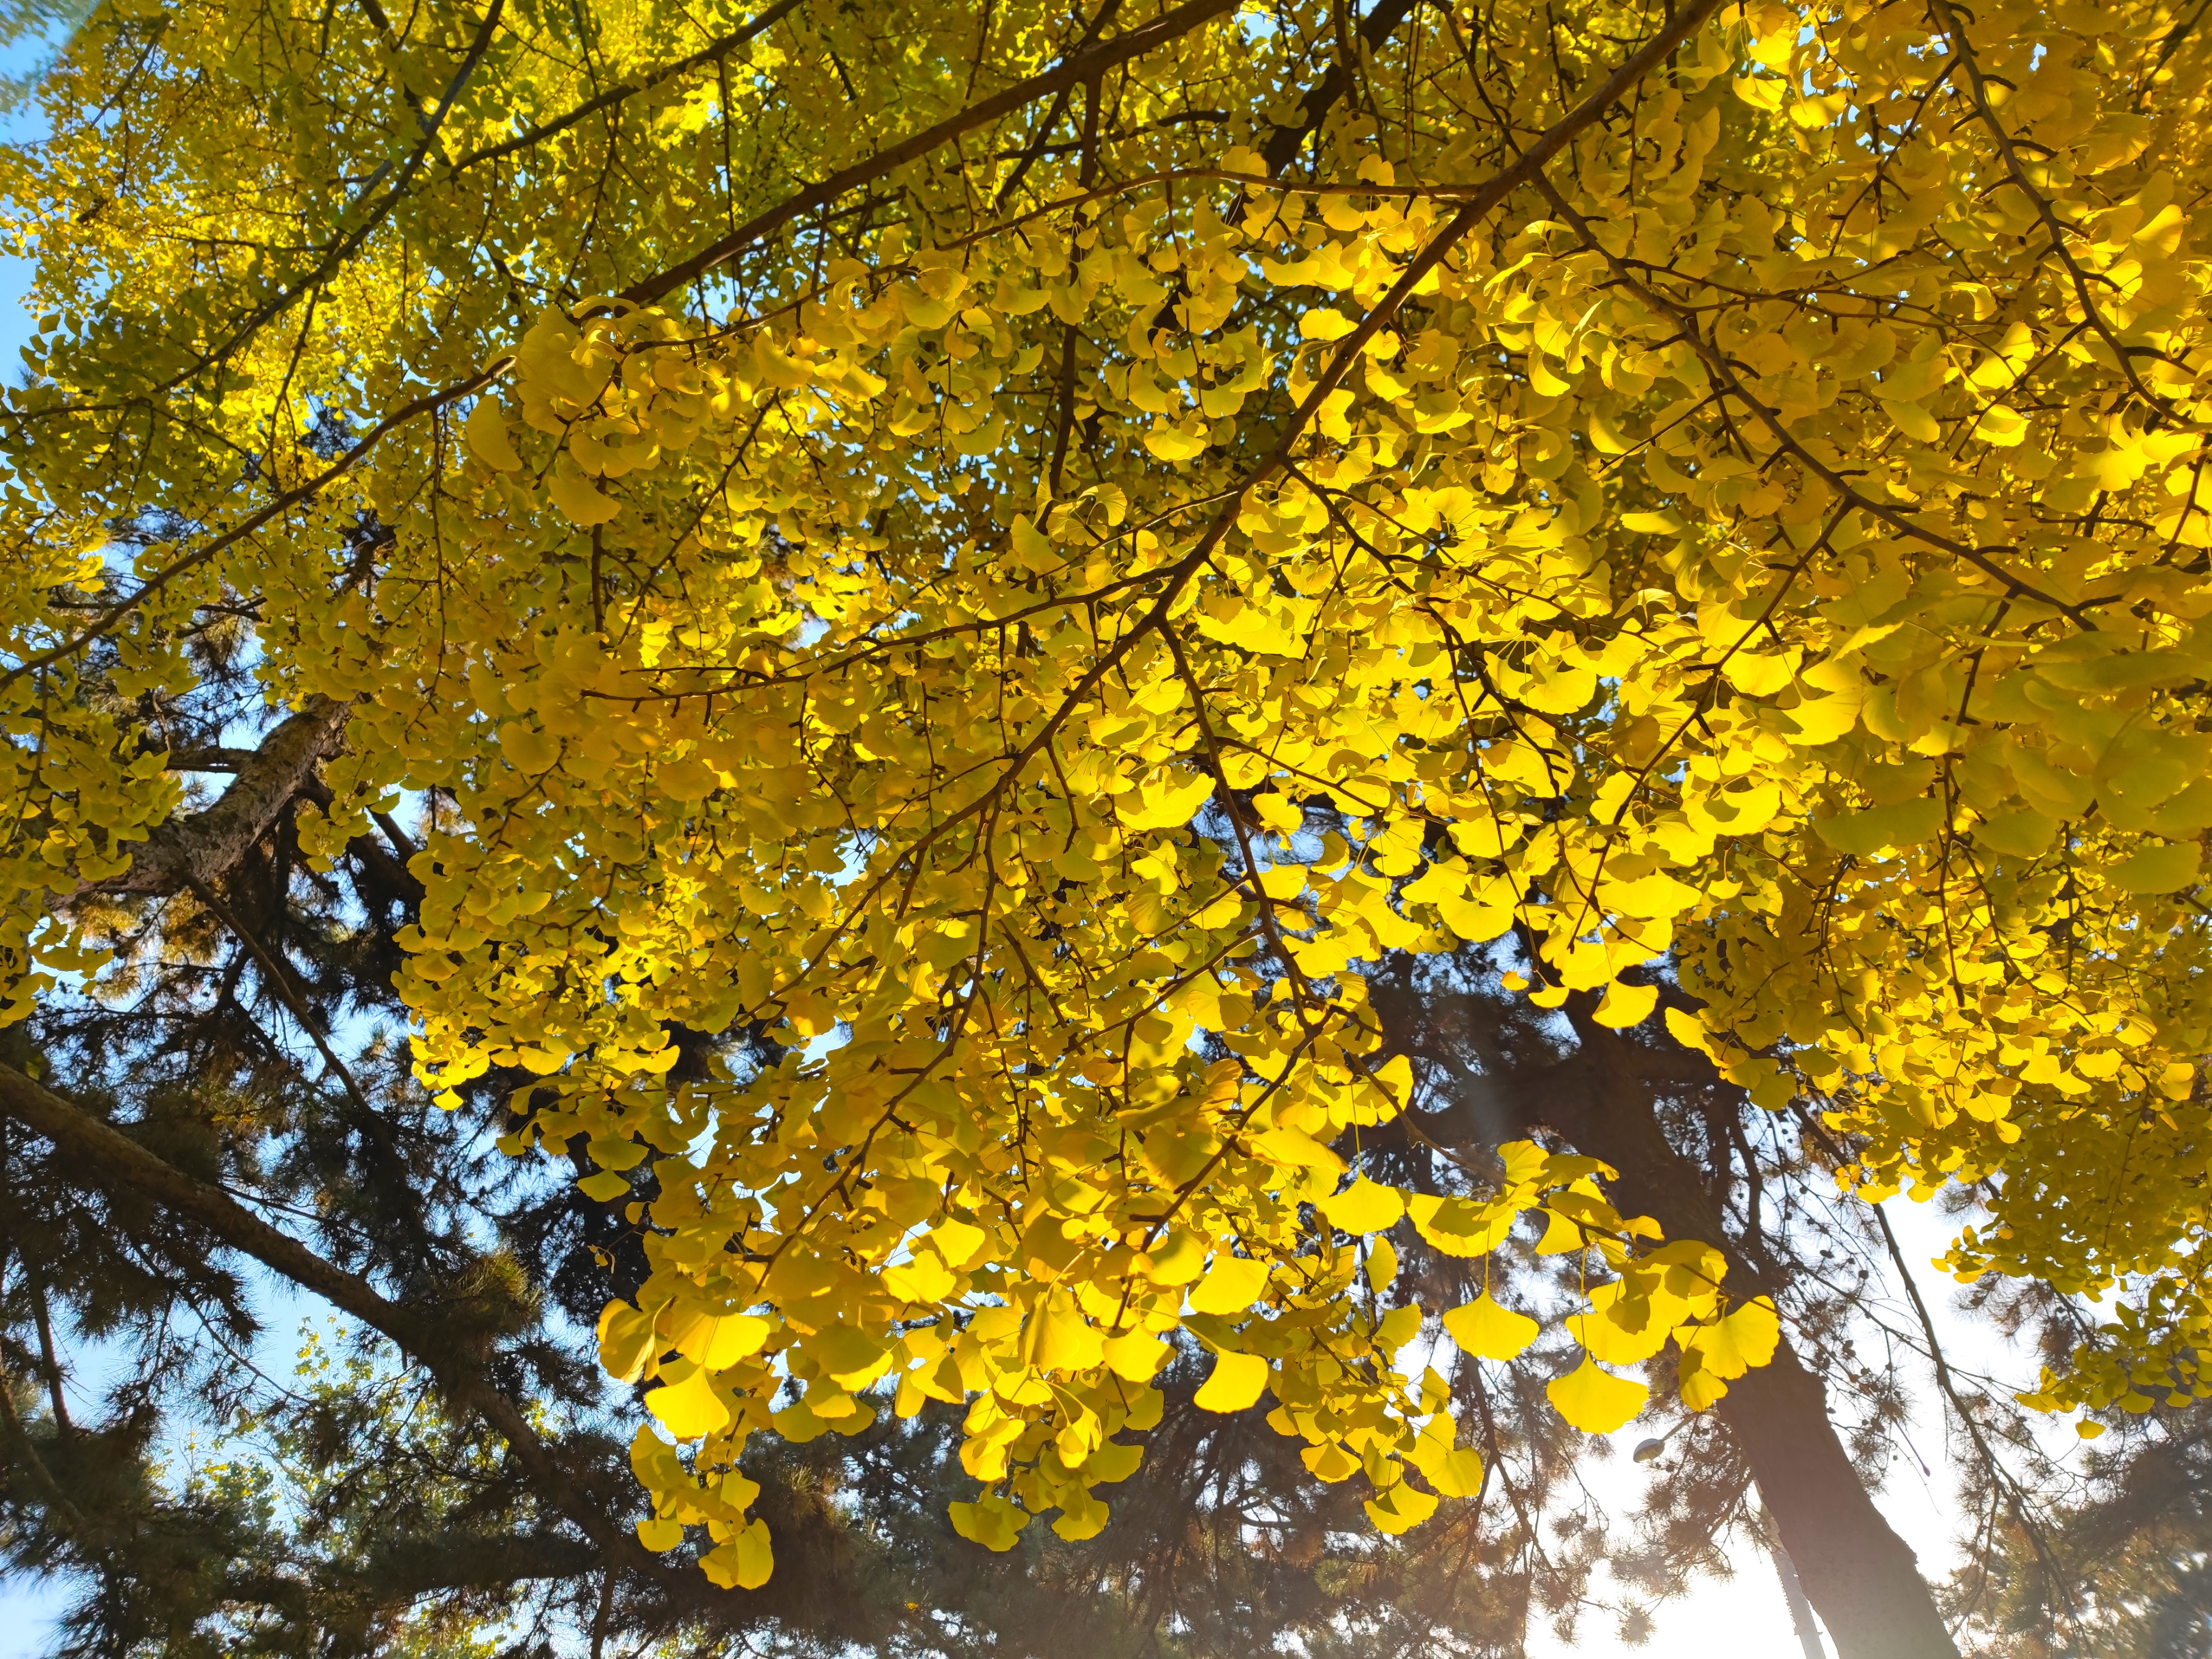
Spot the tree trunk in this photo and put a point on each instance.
(1801, 1610)
(1860, 1575)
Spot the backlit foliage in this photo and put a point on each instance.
(921, 600)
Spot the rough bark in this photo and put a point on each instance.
(1860, 1576)
(200, 849)
(418, 1567)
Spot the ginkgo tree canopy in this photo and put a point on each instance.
(1011, 552)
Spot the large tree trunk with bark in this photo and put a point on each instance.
(1862, 1577)
(1857, 1572)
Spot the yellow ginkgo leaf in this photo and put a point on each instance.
(1081, 1516)
(1615, 1344)
(1382, 1270)
(1400, 1509)
(717, 1344)
(485, 432)
(1595, 1401)
(1063, 1341)
(1177, 1259)
(1234, 1384)
(1913, 421)
(1563, 1235)
(1364, 1207)
(2024, 834)
(924, 1278)
(1292, 1147)
(689, 1408)
(1460, 1226)
(744, 1562)
(1700, 1389)
(1623, 1005)
(2001, 425)
(1489, 1330)
(991, 1521)
(1031, 542)
(1231, 1286)
(625, 1341)
(1454, 1471)
(1167, 802)
(1324, 324)
(1745, 1337)
(1173, 444)
(575, 497)
(1687, 1029)
(1761, 94)
(955, 1241)
(2161, 869)
(1329, 1463)
(1656, 894)
(845, 1351)
(1543, 380)
(1135, 1356)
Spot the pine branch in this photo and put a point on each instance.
(106, 1158)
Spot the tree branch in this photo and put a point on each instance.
(1378, 27)
(713, 52)
(108, 620)
(1070, 73)
(193, 852)
(1724, 371)
(2015, 1498)
(430, 121)
(104, 1157)
(1978, 93)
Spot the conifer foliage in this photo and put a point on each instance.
(921, 607)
